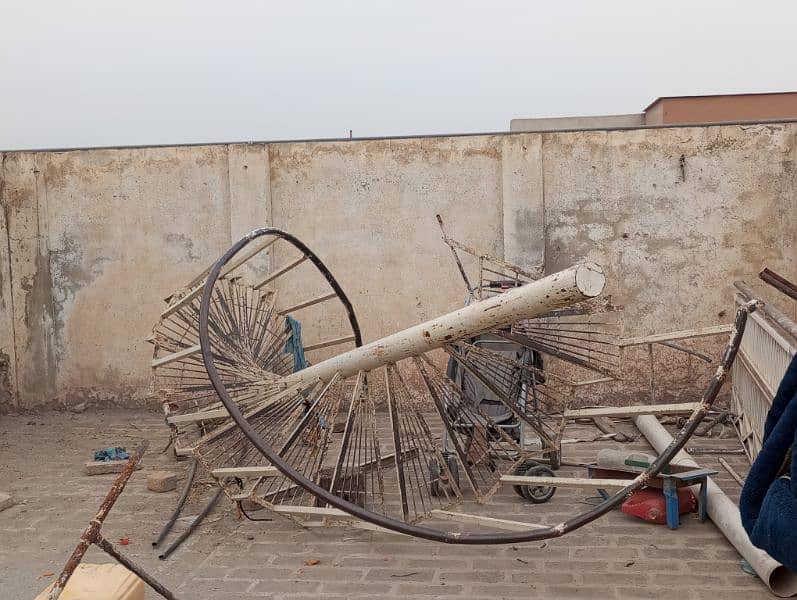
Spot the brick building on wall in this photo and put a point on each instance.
(679, 110)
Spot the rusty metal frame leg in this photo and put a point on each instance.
(109, 549)
(179, 508)
(91, 535)
(194, 524)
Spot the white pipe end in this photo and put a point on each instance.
(590, 279)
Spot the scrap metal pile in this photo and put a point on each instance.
(251, 367)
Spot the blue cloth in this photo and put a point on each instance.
(768, 504)
(109, 454)
(294, 344)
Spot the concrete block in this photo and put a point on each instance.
(161, 481)
(99, 467)
(6, 501)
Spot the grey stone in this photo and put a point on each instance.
(6, 501)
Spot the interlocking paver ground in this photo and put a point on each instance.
(41, 457)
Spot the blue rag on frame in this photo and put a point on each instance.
(768, 504)
(294, 344)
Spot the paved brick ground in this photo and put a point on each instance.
(616, 557)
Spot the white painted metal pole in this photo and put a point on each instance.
(781, 580)
(531, 300)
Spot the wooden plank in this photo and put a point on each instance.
(606, 426)
(197, 284)
(329, 513)
(170, 310)
(175, 356)
(311, 510)
(205, 415)
(469, 519)
(565, 481)
(676, 335)
(593, 381)
(296, 388)
(348, 521)
(259, 471)
(328, 343)
(281, 271)
(199, 280)
(632, 411)
(306, 303)
(736, 477)
(102, 467)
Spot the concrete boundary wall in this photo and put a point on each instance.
(91, 241)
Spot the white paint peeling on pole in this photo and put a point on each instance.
(564, 288)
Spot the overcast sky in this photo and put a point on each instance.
(76, 74)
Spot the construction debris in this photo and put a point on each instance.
(6, 501)
(736, 477)
(102, 467)
(271, 440)
(100, 582)
(93, 535)
(162, 481)
(250, 330)
(725, 515)
(606, 426)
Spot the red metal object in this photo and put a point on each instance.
(650, 504)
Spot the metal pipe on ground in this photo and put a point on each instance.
(781, 580)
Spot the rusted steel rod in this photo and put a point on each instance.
(686, 350)
(179, 508)
(456, 256)
(109, 549)
(779, 282)
(92, 535)
(775, 315)
(194, 524)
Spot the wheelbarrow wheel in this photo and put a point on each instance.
(538, 494)
(521, 470)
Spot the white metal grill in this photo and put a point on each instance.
(763, 357)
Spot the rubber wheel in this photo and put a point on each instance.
(434, 477)
(521, 470)
(538, 494)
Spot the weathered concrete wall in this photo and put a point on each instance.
(92, 241)
(97, 240)
(673, 215)
(369, 210)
